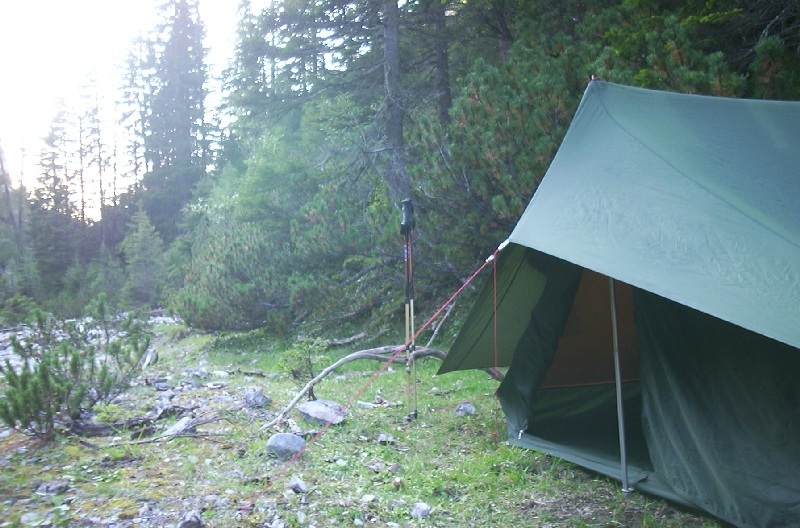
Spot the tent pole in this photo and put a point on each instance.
(618, 379)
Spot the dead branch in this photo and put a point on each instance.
(391, 353)
(186, 426)
(438, 325)
(345, 341)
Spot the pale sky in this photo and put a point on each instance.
(49, 48)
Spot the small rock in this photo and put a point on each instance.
(254, 398)
(191, 520)
(150, 358)
(421, 510)
(285, 445)
(210, 501)
(297, 485)
(368, 498)
(195, 372)
(166, 395)
(464, 409)
(385, 439)
(221, 373)
(31, 519)
(322, 412)
(53, 487)
(190, 384)
(182, 425)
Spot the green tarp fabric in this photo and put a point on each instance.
(690, 203)
(721, 413)
(693, 198)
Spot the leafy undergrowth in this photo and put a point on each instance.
(369, 470)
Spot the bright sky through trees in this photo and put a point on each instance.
(50, 48)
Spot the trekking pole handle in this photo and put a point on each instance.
(408, 217)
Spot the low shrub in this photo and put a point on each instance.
(68, 367)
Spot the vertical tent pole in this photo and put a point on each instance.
(618, 379)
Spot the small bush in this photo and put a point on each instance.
(67, 368)
(16, 309)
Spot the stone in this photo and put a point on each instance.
(53, 487)
(150, 358)
(255, 398)
(191, 520)
(385, 439)
(181, 426)
(297, 485)
(195, 372)
(421, 510)
(464, 409)
(322, 412)
(285, 445)
(32, 519)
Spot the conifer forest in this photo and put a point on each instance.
(276, 203)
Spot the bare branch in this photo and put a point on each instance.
(384, 353)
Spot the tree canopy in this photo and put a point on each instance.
(337, 111)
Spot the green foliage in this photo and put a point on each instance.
(301, 361)
(232, 281)
(67, 369)
(143, 251)
(16, 309)
(300, 179)
(775, 70)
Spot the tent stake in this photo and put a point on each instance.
(618, 379)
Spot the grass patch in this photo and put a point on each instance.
(370, 470)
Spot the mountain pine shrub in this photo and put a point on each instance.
(67, 368)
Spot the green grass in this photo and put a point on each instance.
(454, 464)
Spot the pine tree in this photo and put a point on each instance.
(144, 253)
(167, 113)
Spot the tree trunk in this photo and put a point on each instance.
(440, 43)
(396, 176)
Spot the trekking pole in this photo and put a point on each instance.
(406, 226)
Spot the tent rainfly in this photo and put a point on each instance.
(664, 240)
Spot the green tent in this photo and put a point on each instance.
(648, 302)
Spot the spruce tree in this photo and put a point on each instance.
(167, 108)
(144, 253)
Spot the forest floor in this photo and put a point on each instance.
(376, 468)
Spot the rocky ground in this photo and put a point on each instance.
(169, 452)
(192, 444)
